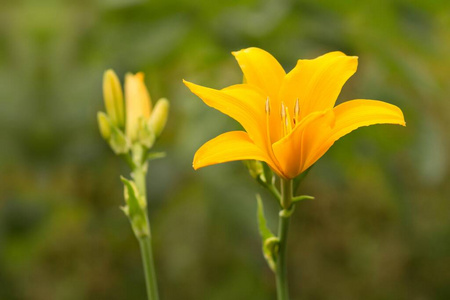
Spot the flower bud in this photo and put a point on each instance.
(113, 97)
(158, 118)
(104, 125)
(255, 168)
(138, 103)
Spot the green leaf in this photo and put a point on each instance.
(270, 250)
(269, 240)
(135, 208)
(264, 231)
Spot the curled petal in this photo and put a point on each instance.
(229, 146)
(242, 103)
(318, 131)
(351, 115)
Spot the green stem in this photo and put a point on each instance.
(139, 176)
(283, 227)
(149, 267)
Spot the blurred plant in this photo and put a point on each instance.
(131, 133)
(290, 122)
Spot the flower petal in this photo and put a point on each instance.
(242, 103)
(316, 133)
(261, 69)
(349, 116)
(229, 146)
(290, 150)
(317, 82)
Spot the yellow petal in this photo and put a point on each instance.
(261, 69)
(138, 102)
(290, 150)
(242, 103)
(312, 138)
(229, 146)
(317, 82)
(351, 115)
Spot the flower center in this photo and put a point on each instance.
(288, 122)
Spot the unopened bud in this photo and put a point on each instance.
(113, 97)
(158, 118)
(104, 125)
(255, 168)
(138, 103)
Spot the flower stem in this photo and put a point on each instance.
(139, 176)
(283, 227)
(149, 267)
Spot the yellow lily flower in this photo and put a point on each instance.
(138, 103)
(289, 119)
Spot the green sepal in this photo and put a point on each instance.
(269, 240)
(135, 208)
(118, 141)
(145, 134)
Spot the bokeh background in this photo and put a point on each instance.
(378, 229)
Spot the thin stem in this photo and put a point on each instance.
(283, 227)
(139, 175)
(149, 267)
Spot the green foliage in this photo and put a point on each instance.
(378, 229)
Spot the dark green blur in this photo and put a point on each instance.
(379, 227)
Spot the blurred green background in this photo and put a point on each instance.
(378, 229)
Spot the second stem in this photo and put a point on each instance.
(139, 175)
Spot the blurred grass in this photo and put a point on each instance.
(378, 229)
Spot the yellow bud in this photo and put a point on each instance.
(113, 97)
(158, 119)
(138, 103)
(104, 124)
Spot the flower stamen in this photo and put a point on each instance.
(296, 111)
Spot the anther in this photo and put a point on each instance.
(268, 106)
(297, 108)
